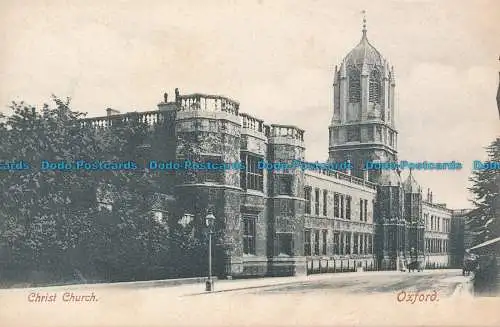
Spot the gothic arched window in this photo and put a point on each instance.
(374, 88)
(354, 86)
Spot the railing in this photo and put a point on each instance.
(349, 178)
(252, 123)
(150, 118)
(322, 266)
(437, 206)
(287, 131)
(206, 102)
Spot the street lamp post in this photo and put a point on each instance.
(209, 221)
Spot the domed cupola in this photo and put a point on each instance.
(364, 54)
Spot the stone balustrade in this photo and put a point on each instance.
(150, 118)
(287, 131)
(206, 102)
(252, 123)
(343, 176)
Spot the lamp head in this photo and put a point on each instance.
(209, 219)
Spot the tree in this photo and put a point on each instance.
(484, 219)
(46, 215)
(55, 222)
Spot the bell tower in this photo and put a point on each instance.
(363, 125)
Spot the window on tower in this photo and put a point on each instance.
(353, 134)
(374, 89)
(251, 178)
(307, 196)
(249, 234)
(354, 85)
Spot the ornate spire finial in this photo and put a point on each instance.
(364, 22)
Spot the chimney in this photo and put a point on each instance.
(112, 112)
(430, 198)
(177, 95)
(428, 195)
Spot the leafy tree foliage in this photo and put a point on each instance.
(484, 220)
(46, 214)
(54, 224)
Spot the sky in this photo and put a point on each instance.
(275, 57)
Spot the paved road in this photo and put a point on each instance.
(444, 282)
(369, 298)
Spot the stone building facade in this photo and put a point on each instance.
(294, 221)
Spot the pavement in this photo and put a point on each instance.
(431, 297)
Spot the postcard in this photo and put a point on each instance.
(249, 163)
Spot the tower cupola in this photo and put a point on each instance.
(363, 127)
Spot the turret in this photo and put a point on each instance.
(286, 194)
(208, 129)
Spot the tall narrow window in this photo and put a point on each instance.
(342, 206)
(325, 202)
(336, 210)
(307, 242)
(355, 243)
(316, 242)
(336, 243)
(316, 201)
(365, 248)
(342, 243)
(361, 211)
(249, 235)
(348, 243)
(365, 208)
(243, 172)
(354, 85)
(374, 88)
(348, 207)
(307, 196)
(361, 243)
(325, 236)
(251, 178)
